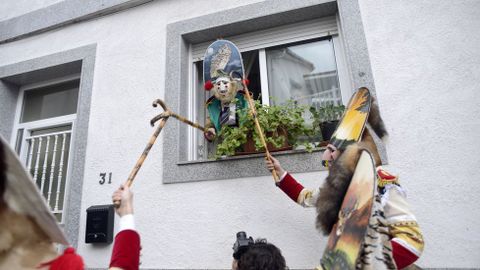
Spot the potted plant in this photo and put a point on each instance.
(326, 119)
(283, 126)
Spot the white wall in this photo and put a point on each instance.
(13, 8)
(425, 57)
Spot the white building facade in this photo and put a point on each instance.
(77, 79)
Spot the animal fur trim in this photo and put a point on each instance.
(334, 188)
(376, 121)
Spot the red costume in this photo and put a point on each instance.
(126, 250)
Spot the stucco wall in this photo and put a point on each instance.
(425, 58)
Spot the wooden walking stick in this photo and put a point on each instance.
(174, 115)
(163, 117)
(259, 128)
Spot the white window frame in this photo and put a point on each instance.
(261, 40)
(28, 127)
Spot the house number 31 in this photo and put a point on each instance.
(103, 178)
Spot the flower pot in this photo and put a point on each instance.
(327, 129)
(249, 146)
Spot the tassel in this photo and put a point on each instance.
(69, 260)
(208, 85)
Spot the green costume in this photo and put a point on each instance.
(214, 107)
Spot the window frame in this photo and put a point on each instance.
(28, 127)
(196, 111)
(66, 62)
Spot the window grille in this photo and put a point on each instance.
(47, 161)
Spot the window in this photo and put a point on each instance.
(302, 62)
(45, 118)
(261, 25)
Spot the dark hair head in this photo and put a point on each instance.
(262, 256)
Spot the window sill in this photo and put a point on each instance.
(295, 161)
(252, 156)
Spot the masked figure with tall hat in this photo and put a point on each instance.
(30, 234)
(223, 74)
(351, 138)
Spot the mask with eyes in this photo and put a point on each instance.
(225, 89)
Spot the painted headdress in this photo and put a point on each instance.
(362, 109)
(28, 229)
(222, 59)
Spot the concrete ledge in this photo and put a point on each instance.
(60, 14)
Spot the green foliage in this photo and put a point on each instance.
(274, 120)
(327, 113)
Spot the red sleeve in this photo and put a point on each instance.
(291, 187)
(126, 250)
(402, 256)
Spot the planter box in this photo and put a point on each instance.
(249, 147)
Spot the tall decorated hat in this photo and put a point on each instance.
(350, 128)
(222, 59)
(28, 229)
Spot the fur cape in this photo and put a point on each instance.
(340, 173)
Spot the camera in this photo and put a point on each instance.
(241, 245)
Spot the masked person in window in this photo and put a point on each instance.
(29, 232)
(259, 254)
(222, 75)
(225, 105)
(340, 156)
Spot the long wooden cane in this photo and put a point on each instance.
(259, 128)
(163, 117)
(172, 114)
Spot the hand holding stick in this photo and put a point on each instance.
(123, 200)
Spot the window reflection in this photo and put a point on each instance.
(306, 73)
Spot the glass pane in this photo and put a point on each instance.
(51, 101)
(306, 73)
(252, 72)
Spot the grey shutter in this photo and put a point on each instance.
(276, 36)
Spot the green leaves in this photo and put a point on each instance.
(280, 123)
(327, 113)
